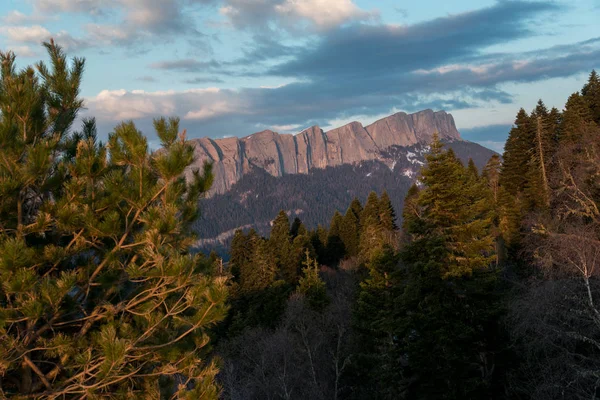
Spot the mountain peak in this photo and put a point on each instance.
(312, 148)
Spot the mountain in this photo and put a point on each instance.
(285, 154)
(256, 199)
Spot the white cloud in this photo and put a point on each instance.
(36, 34)
(323, 14)
(18, 18)
(217, 109)
(93, 7)
(193, 104)
(26, 34)
(316, 14)
(23, 51)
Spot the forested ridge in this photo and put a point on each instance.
(485, 288)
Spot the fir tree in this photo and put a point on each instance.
(311, 285)
(100, 297)
(335, 245)
(350, 232)
(577, 118)
(517, 154)
(260, 272)
(281, 247)
(370, 214)
(387, 215)
(591, 95)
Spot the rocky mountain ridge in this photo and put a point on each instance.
(284, 154)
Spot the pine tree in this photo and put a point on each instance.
(311, 285)
(260, 272)
(591, 95)
(517, 154)
(411, 213)
(356, 208)
(281, 247)
(387, 215)
(472, 170)
(100, 296)
(370, 214)
(442, 317)
(349, 233)
(297, 228)
(577, 118)
(335, 245)
(376, 374)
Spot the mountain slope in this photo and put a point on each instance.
(255, 199)
(285, 154)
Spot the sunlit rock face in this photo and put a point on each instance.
(281, 154)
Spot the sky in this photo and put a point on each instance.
(234, 67)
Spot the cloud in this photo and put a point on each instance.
(361, 69)
(351, 51)
(202, 80)
(93, 7)
(18, 18)
(147, 78)
(488, 133)
(139, 20)
(36, 34)
(187, 65)
(317, 15)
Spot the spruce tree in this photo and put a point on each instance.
(350, 232)
(310, 284)
(443, 309)
(281, 247)
(370, 214)
(591, 95)
(335, 245)
(100, 296)
(356, 208)
(577, 118)
(517, 154)
(472, 170)
(387, 215)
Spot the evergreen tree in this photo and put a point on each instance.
(370, 214)
(349, 233)
(387, 215)
(517, 154)
(591, 95)
(411, 213)
(376, 373)
(443, 305)
(335, 245)
(100, 296)
(472, 170)
(281, 247)
(577, 118)
(311, 285)
(356, 208)
(297, 228)
(260, 272)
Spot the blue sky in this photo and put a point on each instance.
(234, 67)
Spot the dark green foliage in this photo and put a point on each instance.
(517, 154)
(310, 284)
(350, 232)
(335, 244)
(100, 297)
(387, 215)
(591, 95)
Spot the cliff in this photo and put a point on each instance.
(282, 154)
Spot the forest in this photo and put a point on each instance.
(483, 286)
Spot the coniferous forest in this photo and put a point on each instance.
(483, 286)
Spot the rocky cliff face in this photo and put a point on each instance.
(282, 154)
